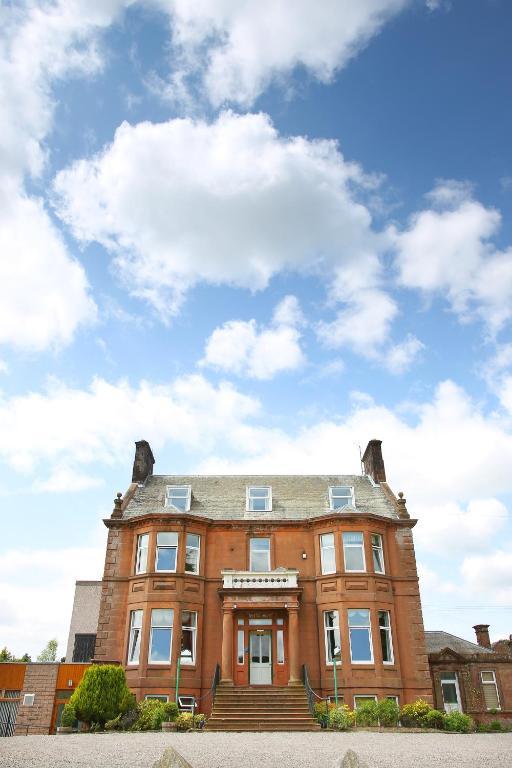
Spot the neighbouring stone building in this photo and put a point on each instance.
(475, 678)
(84, 621)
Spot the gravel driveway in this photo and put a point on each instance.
(261, 750)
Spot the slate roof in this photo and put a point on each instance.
(294, 497)
(437, 641)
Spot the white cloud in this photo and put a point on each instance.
(239, 47)
(73, 428)
(242, 348)
(490, 575)
(364, 324)
(45, 294)
(453, 529)
(44, 291)
(230, 202)
(399, 357)
(449, 250)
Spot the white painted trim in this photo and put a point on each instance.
(361, 626)
(268, 501)
(351, 505)
(331, 629)
(381, 548)
(189, 497)
(493, 673)
(390, 635)
(324, 571)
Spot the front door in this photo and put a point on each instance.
(260, 658)
(451, 694)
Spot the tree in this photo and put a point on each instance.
(26, 658)
(6, 655)
(102, 694)
(49, 652)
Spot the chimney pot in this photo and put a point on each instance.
(482, 635)
(143, 461)
(373, 462)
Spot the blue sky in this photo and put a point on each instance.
(257, 235)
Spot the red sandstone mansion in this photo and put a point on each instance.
(266, 576)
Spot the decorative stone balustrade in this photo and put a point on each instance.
(282, 578)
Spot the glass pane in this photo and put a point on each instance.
(378, 563)
(264, 622)
(331, 619)
(240, 621)
(260, 561)
(240, 650)
(162, 617)
(386, 645)
(192, 540)
(192, 560)
(178, 491)
(354, 560)
(327, 539)
(189, 619)
(360, 645)
(265, 649)
(181, 504)
(167, 539)
(358, 617)
(134, 645)
(280, 646)
(160, 644)
(491, 696)
(262, 545)
(341, 490)
(187, 646)
(255, 648)
(279, 621)
(328, 561)
(449, 693)
(487, 677)
(384, 618)
(363, 699)
(352, 537)
(166, 559)
(136, 619)
(259, 493)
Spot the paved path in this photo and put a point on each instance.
(259, 750)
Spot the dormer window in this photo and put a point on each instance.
(341, 496)
(178, 497)
(259, 498)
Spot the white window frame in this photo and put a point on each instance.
(188, 497)
(361, 626)
(379, 548)
(353, 546)
(333, 496)
(131, 661)
(186, 703)
(259, 538)
(493, 682)
(324, 548)
(169, 626)
(139, 551)
(167, 546)
(193, 630)
(268, 498)
(451, 677)
(387, 630)
(337, 637)
(192, 546)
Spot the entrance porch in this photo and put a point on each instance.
(260, 628)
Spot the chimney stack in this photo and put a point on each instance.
(482, 635)
(143, 462)
(373, 462)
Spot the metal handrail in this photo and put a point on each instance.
(210, 692)
(312, 694)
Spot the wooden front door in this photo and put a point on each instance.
(261, 648)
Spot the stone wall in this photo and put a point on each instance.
(86, 609)
(41, 680)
